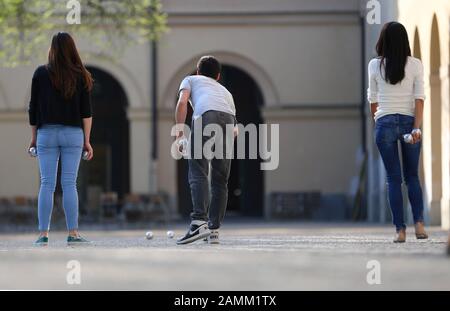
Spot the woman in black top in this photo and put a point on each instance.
(60, 116)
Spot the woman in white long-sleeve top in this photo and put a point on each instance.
(396, 96)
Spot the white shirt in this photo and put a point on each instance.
(398, 98)
(207, 94)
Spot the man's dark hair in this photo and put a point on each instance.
(209, 66)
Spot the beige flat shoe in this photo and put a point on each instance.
(400, 236)
(421, 234)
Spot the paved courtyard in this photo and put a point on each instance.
(251, 256)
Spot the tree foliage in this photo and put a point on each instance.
(26, 26)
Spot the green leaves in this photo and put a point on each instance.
(26, 26)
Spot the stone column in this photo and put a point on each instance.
(445, 140)
(139, 120)
(433, 148)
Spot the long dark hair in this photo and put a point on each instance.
(393, 49)
(65, 66)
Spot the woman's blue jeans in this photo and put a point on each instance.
(388, 131)
(54, 143)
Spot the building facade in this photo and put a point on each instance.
(296, 63)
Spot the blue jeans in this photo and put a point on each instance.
(56, 142)
(388, 131)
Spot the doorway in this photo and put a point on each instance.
(246, 183)
(109, 170)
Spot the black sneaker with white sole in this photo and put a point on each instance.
(196, 232)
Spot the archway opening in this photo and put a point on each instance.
(416, 49)
(246, 183)
(435, 122)
(109, 171)
(417, 52)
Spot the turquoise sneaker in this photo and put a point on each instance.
(77, 240)
(41, 241)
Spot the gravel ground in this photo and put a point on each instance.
(266, 256)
